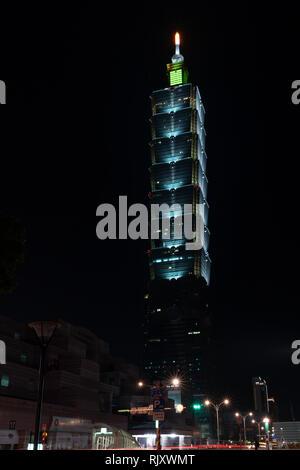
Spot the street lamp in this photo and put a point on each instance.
(216, 407)
(44, 331)
(259, 423)
(244, 421)
(180, 408)
(175, 382)
(258, 426)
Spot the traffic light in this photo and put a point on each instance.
(197, 406)
(43, 437)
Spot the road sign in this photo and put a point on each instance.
(142, 410)
(158, 416)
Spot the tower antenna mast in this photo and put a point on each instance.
(177, 57)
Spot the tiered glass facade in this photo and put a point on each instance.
(177, 319)
(178, 176)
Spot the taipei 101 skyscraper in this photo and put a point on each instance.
(177, 325)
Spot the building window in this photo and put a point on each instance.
(23, 358)
(31, 385)
(4, 381)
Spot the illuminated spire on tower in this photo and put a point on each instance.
(177, 72)
(177, 57)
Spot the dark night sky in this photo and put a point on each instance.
(80, 138)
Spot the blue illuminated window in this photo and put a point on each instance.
(4, 381)
(23, 358)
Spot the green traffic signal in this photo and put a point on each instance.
(197, 406)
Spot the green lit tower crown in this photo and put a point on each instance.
(177, 321)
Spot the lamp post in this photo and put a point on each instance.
(244, 417)
(217, 407)
(175, 382)
(44, 331)
(266, 422)
(282, 438)
(259, 424)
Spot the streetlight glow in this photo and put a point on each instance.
(244, 417)
(217, 407)
(175, 382)
(179, 408)
(140, 384)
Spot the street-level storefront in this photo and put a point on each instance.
(69, 433)
(172, 439)
(8, 439)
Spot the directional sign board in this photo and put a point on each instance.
(142, 410)
(159, 396)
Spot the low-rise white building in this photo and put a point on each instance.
(287, 431)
